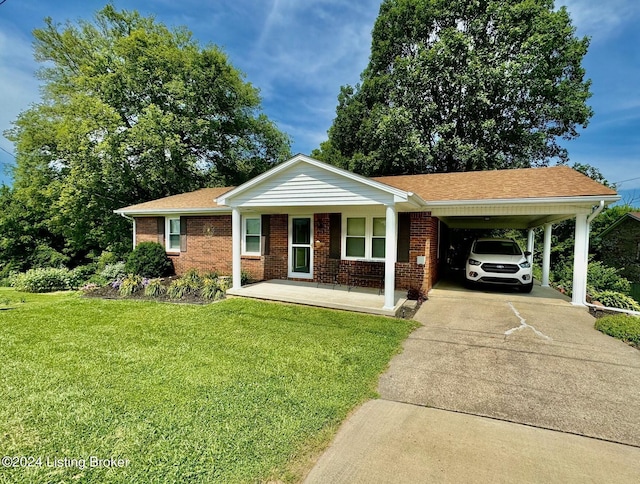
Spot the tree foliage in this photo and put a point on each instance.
(459, 85)
(130, 111)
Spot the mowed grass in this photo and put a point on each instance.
(239, 391)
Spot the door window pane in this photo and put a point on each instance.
(301, 259)
(301, 231)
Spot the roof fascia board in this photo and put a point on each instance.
(175, 211)
(524, 201)
(399, 195)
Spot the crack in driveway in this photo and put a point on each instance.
(523, 325)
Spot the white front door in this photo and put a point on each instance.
(301, 247)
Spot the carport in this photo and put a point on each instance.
(519, 199)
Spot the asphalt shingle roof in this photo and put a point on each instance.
(549, 182)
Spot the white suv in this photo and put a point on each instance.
(499, 261)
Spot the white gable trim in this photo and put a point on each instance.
(399, 196)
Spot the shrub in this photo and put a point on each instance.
(130, 284)
(213, 288)
(112, 272)
(155, 288)
(618, 300)
(81, 275)
(179, 289)
(105, 259)
(43, 280)
(604, 278)
(149, 259)
(621, 326)
(193, 278)
(245, 278)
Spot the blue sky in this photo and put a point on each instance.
(299, 53)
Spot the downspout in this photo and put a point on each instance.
(134, 227)
(590, 218)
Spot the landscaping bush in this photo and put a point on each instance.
(81, 275)
(604, 278)
(105, 259)
(155, 288)
(618, 300)
(149, 259)
(180, 288)
(213, 288)
(621, 326)
(43, 280)
(131, 284)
(112, 272)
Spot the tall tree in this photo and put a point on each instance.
(132, 111)
(461, 85)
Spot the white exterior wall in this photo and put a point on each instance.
(305, 185)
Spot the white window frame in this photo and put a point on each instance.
(167, 234)
(244, 234)
(368, 237)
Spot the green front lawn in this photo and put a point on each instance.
(237, 391)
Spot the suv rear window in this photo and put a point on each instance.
(501, 247)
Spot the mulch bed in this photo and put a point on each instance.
(108, 292)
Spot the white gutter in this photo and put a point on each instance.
(174, 211)
(590, 218)
(523, 201)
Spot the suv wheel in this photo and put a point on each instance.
(526, 288)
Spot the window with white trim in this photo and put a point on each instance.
(173, 234)
(364, 237)
(251, 234)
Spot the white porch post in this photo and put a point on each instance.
(390, 258)
(531, 244)
(580, 260)
(236, 243)
(546, 255)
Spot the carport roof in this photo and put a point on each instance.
(535, 183)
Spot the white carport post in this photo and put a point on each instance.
(580, 260)
(390, 258)
(236, 241)
(531, 244)
(546, 255)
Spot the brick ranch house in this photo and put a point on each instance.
(309, 221)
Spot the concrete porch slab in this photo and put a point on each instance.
(358, 299)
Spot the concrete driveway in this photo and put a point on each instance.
(532, 359)
(497, 387)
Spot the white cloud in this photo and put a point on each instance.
(600, 18)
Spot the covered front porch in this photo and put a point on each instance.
(358, 299)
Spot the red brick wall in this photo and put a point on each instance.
(423, 242)
(146, 229)
(209, 249)
(275, 262)
(208, 245)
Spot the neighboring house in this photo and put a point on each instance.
(310, 221)
(620, 246)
